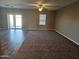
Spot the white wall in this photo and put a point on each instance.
(30, 18)
(67, 21)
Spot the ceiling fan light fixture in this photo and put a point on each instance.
(40, 9)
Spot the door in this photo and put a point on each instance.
(18, 21)
(14, 21)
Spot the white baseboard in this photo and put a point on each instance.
(67, 37)
(30, 29)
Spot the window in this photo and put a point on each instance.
(42, 19)
(14, 21)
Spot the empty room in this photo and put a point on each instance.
(39, 29)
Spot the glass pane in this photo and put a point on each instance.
(18, 21)
(42, 19)
(11, 21)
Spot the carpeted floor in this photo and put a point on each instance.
(47, 45)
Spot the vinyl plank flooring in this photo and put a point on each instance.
(39, 44)
(47, 45)
(11, 41)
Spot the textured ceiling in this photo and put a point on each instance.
(24, 4)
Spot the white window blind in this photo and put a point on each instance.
(42, 19)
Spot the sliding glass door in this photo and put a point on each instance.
(18, 21)
(14, 21)
(11, 21)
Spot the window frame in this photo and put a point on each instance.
(42, 22)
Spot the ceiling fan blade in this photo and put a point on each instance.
(51, 5)
(33, 5)
(52, 8)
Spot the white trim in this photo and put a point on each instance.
(47, 29)
(30, 29)
(67, 37)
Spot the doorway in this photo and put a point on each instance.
(14, 21)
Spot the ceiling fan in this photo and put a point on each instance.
(42, 5)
